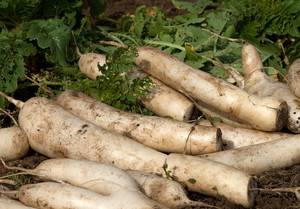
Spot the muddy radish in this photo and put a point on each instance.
(263, 113)
(163, 100)
(159, 133)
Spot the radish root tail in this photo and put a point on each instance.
(18, 103)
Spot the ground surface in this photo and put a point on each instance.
(284, 178)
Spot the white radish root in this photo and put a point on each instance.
(50, 195)
(161, 134)
(251, 61)
(163, 100)
(235, 137)
(101, 178)
(7, 203)
(57, 133)
(213, 179)
(165, 191)
(260, 84)
(88, 64)
(254, 159)
(294, 77)
(225, 117)
(13, 144)
(262, 113)
(98, 177)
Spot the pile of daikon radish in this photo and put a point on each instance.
(101, 157)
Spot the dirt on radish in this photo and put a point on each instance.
(288, 177)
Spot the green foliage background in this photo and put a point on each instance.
(36, 40)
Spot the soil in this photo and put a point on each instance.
(276, 179)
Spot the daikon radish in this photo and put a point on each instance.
(158, 133)
(260, 84)
(88, 64)
(294, 77)
(14, 143)
(218, 179)
(163, 100)
(225, 117)
(7, 203)
(57, 133)
(50, 195)
(263, 113)
(98, 177)
(254, 159)
(235, 137)
(165, 191)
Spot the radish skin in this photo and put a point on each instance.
(50, 195)
(88, 64)
(262, 113)
(251, 61)
(54, 195)
(165, 191)
(103, 179)
(294, 77)
(98, 177)
(225, 117)
(57, 133)
(235, 137)
(254, 159)
(161, 134)
(163, 100)
(260, 84)
(14, 143)
(218, 179)
(7, 203)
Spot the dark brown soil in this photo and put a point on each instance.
(284, 178)
(117, 8)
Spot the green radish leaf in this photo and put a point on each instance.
(52, 35)
(193, 7)
(12, 65)
(217, 21)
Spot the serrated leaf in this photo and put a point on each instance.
(53, 35)
(43, 40)
(11, 83)
(138, 28)
(12, 65)
(218, 72)
(181, 55)
(217, 21)
(20, 69)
